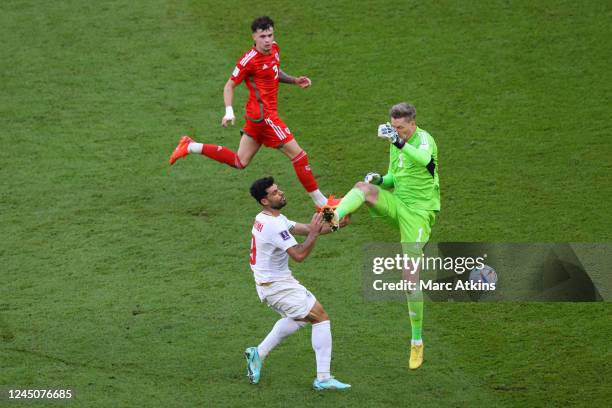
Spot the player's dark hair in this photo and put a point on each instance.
(262, 23)
(259, 187)
(403, 110)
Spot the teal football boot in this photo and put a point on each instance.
(330, 384)
(253, 364)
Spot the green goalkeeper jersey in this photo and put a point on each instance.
(413, 172)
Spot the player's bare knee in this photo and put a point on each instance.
(317, 314)
(319, 318)
(363, 186)
(244, 162)
(321, 315)
(370, 192)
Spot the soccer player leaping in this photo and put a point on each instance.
(260, 69)
(412, 206)
(272, 243)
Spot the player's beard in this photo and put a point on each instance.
(279, 205)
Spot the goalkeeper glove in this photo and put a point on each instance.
(373, 178)
(387, 132)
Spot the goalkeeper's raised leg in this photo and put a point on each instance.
(361, 193)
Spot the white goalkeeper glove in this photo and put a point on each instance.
(386, 131)
(229, 116)
(373, 178)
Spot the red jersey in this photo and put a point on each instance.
(260, 73)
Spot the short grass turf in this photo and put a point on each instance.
(128, 281)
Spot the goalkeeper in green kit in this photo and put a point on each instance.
(412, 206)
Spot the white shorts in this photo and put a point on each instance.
(288, 298)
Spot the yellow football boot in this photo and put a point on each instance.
(416, 356)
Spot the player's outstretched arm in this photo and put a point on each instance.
(301, 81)
(300, 229)
(301, 251)
(228, 98)
(343, 223)
(303, 229)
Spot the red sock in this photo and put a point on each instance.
(304, 174)
(222, 155)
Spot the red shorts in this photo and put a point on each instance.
(270, 132)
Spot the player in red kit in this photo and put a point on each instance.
(260, 70)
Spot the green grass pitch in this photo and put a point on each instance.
(128, 281)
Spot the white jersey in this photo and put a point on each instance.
(269, 243)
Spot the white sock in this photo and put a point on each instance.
(318, 198)
(418, 342)
(283, 328)
(322, 346)
(195, 148)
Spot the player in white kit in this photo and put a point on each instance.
(272, 243)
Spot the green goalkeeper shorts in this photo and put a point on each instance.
(414, 224)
